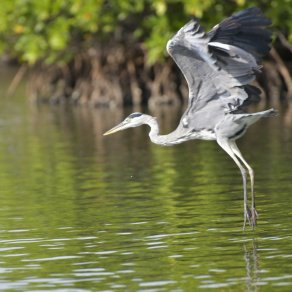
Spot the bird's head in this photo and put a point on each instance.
(133, 120)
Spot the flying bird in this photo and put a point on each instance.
(218, 67)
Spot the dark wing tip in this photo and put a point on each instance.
(247, 30)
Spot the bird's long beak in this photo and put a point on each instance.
(115, 129)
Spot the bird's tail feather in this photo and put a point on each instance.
(251, 118)
(269, 113)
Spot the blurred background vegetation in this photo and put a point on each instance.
(113, 52)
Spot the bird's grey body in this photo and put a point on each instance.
(218, 67)
(230, 127)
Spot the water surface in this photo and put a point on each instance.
(83, 212)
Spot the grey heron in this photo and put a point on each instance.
(218, 67)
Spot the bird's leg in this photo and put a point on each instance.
(226, 145)
(254, 213)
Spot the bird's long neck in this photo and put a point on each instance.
(154, 135)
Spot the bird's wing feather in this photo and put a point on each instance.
(246, 30)
(219, 65)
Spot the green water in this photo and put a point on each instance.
(83, 212)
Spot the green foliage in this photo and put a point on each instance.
(53, 30)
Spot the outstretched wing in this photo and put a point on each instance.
(219, 65)
(246, 30)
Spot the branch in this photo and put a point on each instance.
(284, 41)
(16, 79)
(283, 71)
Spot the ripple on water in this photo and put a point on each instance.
(81, 211)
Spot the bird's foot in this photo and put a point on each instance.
(254, 216)
(250, 215)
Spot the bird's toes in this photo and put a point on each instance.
(249, 215)
(252, 217)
